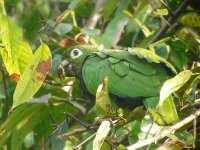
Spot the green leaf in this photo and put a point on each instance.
(160, 12)
(63, 28)
(33, 76)
(135, 129)
(112, 32)
(26, 125)
(167, 111)
(164, 114)
(184, 137)
(74, 4)
(174, 84)
(110, 6)
(144, 28)
(16, 52)
(101, 135)
(91, 32)
(103, 102)
(56, 142)
(191, 19)
(19, 114)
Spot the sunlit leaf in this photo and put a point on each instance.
(161, 12)
(144, 28)
(101, 135)
(103, 102)
(174, 84)
(191, 19)
(33, 76)
(16, 52)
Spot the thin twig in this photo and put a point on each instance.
(168, 8)
(75, 105)
(195, 131)
(197, 104)
(153, 5)
(165, 132)
(90, 137)
(55, 124)
(78, 120)
(77, 131)
(52, 83)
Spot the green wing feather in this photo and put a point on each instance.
(129, 75)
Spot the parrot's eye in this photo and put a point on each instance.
(75, 53)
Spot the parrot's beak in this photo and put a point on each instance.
(65, 69)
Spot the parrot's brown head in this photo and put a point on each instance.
(73, 59)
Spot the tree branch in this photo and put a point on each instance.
(96, 14)
(73, 104)
(78, 120)
(164, 133)
(77, 131)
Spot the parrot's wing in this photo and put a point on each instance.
(130, 75)
(150, 57)
(137, 57)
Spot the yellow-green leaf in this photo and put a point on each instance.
(101, 135)
(160, 12)
(33, 76)
(174, 84)
(16, 52)
(191, 19)
(103, 102)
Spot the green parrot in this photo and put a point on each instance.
(135, 76)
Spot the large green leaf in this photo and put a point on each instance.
(16, 52)
(174, 84)
(33, 76)
(26, 125)
(21, 112)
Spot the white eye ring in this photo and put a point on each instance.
(75, 53)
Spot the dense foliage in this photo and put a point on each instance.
(38, 110)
